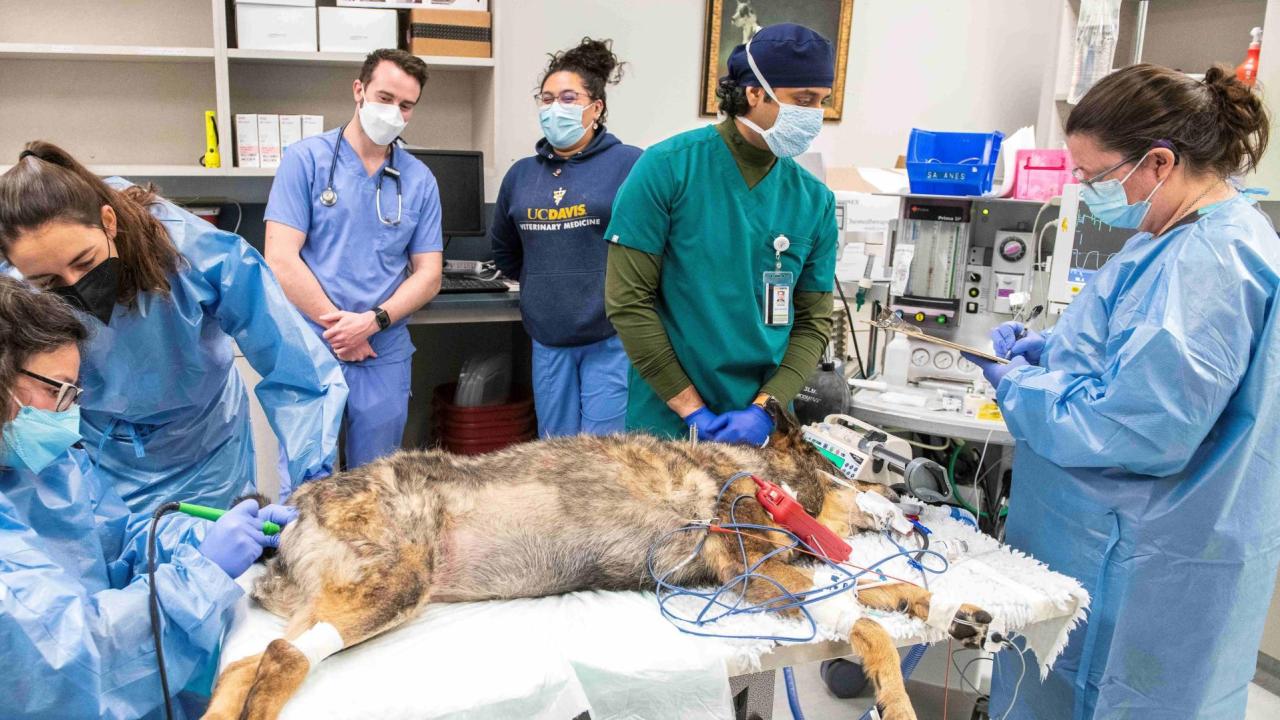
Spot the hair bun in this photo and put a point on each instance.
(596, 57)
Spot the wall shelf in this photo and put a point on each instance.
(118, 53)
(147, 121)
(335, 58)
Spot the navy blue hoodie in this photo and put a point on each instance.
(548, 232)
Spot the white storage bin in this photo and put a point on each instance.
(481, 5)
(357, 30)
(276, 25)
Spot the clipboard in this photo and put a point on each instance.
(914, 332)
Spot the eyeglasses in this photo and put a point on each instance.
(68, 393)
(566, 97)
(1098, 178)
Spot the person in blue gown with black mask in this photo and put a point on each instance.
(1146, 420)
(165, 413)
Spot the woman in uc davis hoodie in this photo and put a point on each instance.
(548, 232)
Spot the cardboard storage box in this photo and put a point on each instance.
(276, 25)
(454, 33)
(356, 30)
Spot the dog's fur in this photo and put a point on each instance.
(372, 546)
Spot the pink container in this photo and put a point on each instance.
(1040, 174)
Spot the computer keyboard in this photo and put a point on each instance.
(455, 284)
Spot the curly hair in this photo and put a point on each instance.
(594, 62)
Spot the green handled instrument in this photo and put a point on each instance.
(208, 513)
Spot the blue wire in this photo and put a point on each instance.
(793, 698)
(716, 609)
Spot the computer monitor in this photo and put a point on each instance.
(1083, 245)
(460, 176)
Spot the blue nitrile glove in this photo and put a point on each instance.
(993, 371)
(1013, 338)
(750, 426)
(236, 539)
(279, 514)
(701, 419)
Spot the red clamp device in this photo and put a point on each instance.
(789, 514)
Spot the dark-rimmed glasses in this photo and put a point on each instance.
(68, 393)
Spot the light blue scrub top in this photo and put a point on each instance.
(359, 261)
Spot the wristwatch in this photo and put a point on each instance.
(384, 320)
(762, 400)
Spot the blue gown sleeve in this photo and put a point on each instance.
(1172, 356)
(70, 653)
(504, 237)
(302, 390)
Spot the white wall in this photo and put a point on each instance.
(940, 64)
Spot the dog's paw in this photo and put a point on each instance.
(970, 625)
(897, 711)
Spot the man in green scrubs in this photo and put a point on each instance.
(723, 251)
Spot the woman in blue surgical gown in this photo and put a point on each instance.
(1147, 422)
(75, 634)
(166, 415)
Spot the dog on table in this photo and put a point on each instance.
(372, 546)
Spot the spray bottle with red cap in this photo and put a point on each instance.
(1247, 71)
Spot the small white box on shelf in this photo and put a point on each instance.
(357, 30)
(247, 141)
(276, 25)
(290, 131)
(269, 140)
(480, 5)
(312, 125)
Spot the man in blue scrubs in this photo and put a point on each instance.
(353, 234)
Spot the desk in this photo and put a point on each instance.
(867, 406)
(459, 308)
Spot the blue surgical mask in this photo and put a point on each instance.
(35, 437)
(795, 128)
(562, 124)
(1108, 202)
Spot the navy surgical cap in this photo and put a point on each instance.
(788, 55)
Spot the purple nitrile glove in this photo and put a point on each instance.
(749, 426)
(1013, 338)
(236, 539)
(701, 419)
(993, 371)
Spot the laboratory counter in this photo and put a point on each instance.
(458, 308)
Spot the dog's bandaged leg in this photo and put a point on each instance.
(318, 642)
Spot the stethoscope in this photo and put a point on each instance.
(329, 196)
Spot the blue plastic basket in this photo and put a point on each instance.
(952, 163)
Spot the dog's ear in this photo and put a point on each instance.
(786, 428)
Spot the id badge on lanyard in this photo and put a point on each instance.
(777, 287)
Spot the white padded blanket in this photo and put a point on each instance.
(612, 653)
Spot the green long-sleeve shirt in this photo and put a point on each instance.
(631, 289)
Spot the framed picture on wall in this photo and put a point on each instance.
(731, 23)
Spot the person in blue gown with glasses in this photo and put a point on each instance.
(74, 592)
(1146, 421)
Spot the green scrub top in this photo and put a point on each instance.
(686, 201)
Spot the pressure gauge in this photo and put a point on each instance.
(920, 357)
(944, 360)
(965, 365)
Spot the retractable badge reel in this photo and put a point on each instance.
(777, 287)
